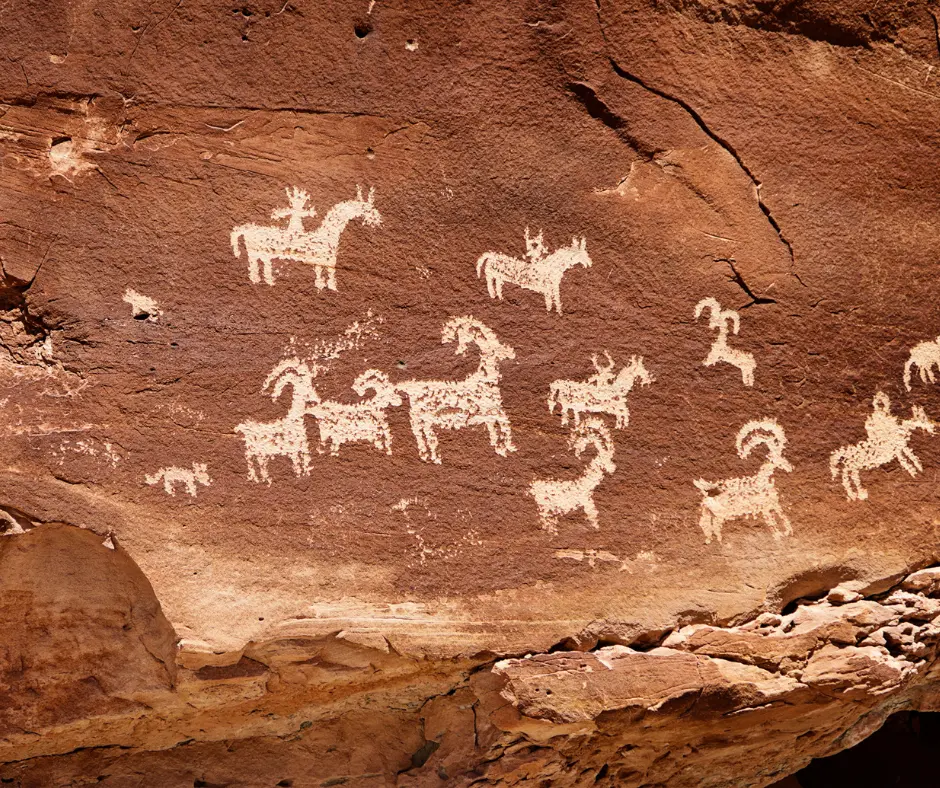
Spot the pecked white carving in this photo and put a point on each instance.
(287, 436)
(557, 497)
(720, 320)
(925, 356)
(602, 392)
(365, 421)
(188, 477)
(264, 243)
(539, 271)
(748, 496)
(887, 439)
(455, 404)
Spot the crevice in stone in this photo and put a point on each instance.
(599, 110)
(718, 140)
(739, 281)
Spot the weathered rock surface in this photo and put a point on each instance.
(706, 571)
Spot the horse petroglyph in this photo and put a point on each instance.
(365, 421)
(887, 439)
(287, 436)
(188, 477)
(602, 392)
(557, 497)
(925, 356)
(264, 243)
(748, 496)
(538, 271)
(455, 404)
(720, 320)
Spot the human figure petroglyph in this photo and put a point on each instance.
(287, 436)
(720, 320)
(538, 271)
(887, 440)
(188, 477)
(925, 356)
(264, 243)
(557, 497)
(455, 404)
(748, 496)
(357, 422)
(602, 392)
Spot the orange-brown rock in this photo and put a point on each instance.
(464, 394)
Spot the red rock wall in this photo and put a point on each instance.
(351, 353)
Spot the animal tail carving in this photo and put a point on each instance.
(835, 460)
(482, 260)
(706, 487)
(907, 373)
(236, 235)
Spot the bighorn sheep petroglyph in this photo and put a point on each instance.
(284, 437)
(539, 271)
(365, 421)
(188, 477)
(925, 356)
(557, 497)
(720, 320)
(887, 439)
(602, 392)
(455, 404)
(318, 248)
(748, 496)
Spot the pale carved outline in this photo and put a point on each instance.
(748, 496)
(886, 440)
(602, 392)
(265, 243)
(720, 320)
(456, 404)
(539, 271)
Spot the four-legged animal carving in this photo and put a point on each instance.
(455, 404)
(925, 356)
(887, 439)
(188, 477)
(318, 248)
(365, 421)
(284, 437)
(720, 320)
(602, 392)
(557, 497)
(748, 496)
(539, 271)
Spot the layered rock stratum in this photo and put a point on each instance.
(420, 394)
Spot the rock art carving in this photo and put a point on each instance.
(142, 307)
(557, 497)
(365, 421)
(455, 404)
(539, 271)
(887, 439)
(748, 496)
(287, 436)
(925, 356)
(264, 243)
(602, 392)
(188, 477)
(720, 320)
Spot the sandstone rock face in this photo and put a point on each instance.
(455, 394)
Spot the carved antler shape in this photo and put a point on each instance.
(534, 247)
(297, 200)
(602, 371)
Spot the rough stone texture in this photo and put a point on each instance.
(386, 620)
